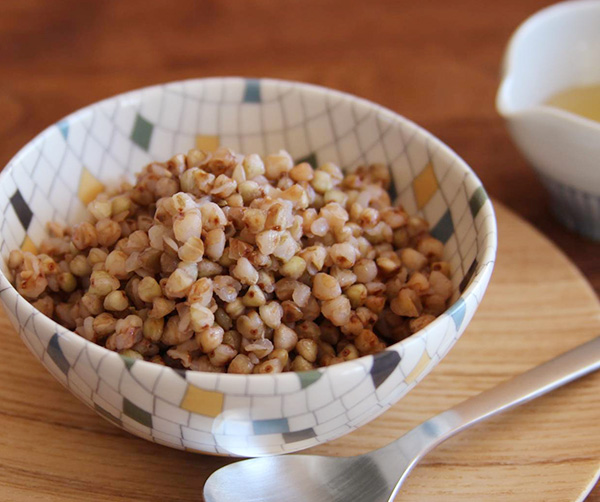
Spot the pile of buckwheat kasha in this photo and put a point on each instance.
(215, 261)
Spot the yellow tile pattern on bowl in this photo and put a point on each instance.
(207, 142)
(425, 185)
(419, 368)
(89, 187)
(203, 402)
(29, 246)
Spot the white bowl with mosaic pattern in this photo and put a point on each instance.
(64, 167)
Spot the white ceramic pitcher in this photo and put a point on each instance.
(555, 49)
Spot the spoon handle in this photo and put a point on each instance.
(536, 382)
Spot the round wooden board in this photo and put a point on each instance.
(538, 305)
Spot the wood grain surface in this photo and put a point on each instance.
(53, 448)
(436, 62)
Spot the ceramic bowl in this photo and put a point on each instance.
(554, 50)
(62, 169)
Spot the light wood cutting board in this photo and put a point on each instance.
(538, 305)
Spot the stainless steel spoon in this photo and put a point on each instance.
(377, 476)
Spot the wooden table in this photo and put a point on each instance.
(436, 62)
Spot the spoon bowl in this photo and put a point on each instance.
(314, 478)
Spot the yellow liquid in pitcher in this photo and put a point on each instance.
(584, 101)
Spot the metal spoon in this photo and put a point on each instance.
(377, 476)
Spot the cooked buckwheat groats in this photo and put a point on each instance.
(215, 261)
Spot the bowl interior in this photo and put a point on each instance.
(62, 169)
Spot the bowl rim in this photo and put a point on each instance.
(484, 271)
